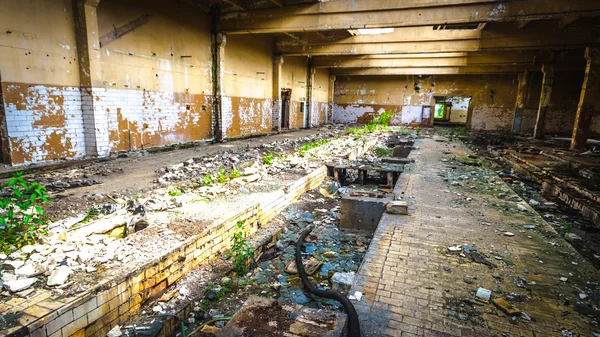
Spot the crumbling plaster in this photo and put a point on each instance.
(40, 81)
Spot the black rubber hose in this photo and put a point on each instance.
(353, 323)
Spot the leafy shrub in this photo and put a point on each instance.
(241, 251)
(23, 216)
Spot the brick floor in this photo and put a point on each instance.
(407, 292)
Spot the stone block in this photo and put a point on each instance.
(397, 207)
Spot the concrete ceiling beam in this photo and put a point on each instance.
(346, 15)
(471, 60)
(493, 42)
(432, 70)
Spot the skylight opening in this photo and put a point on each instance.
(375, 31)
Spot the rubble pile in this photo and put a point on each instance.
(131, 229)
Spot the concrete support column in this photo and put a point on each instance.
(522, 97)
(221, 106)
(310, 105)
(95, 124)
(589, 101)
(547, 82)
(277, 106)
(330, 91)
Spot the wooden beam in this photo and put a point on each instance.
(345, 14)
(123, 30)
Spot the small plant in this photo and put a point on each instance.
(240, 251)
(222, 176)
(383, 152)
(312, 145)
(268, 159)
(23, 215)
(174, 192)
(207, 180)
(235, 174)
(355, 131)
(404, 132)
(92, 212)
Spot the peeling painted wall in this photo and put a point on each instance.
(156, 79)
(492, 104)
(294, 76)
(247, 84)
(40, 81)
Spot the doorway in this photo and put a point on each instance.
(286, 95)
(451, 110)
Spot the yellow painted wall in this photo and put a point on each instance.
(39, 82)
(247, 85)
(158, 77)
(294, 76)
(321, 94)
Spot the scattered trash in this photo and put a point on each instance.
(506, 307)
(484, 294)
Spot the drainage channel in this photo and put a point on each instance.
(269, 299)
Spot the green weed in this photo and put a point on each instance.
(174, 192)
(241, 252)
(268, 159)
(207, 180)
(383, 152)
(23, 216)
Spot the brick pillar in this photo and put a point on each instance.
(522, 98)
(330, 92)
(277, 71)
(589, 101)
(222, 110)
(95, 124)
(547, 82)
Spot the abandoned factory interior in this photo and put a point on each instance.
(299, 168)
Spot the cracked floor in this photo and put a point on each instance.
(413, 285)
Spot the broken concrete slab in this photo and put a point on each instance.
(399, 207)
